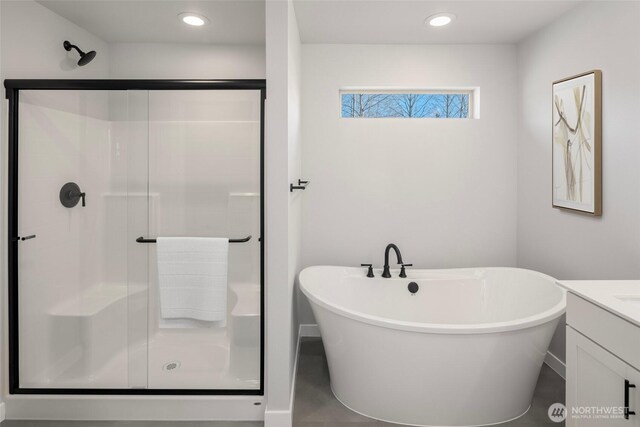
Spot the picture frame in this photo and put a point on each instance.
(576, 143)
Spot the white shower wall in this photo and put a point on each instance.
(205, 170)
(64, 137)
(166, 163)
(204, 181)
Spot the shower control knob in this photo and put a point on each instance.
(70, 195)
(413, 287)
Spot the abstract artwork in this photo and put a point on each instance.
(577, 143)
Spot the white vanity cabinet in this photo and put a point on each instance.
(596, 379)
(603, 365)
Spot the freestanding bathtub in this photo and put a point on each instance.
(464, 350)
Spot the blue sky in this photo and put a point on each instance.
(418, 105)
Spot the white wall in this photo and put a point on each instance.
(444, 190)
(32, 37)
(295, 171)
(186, 61)
(564, 244)
(283, 210)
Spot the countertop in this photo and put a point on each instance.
(620, 297)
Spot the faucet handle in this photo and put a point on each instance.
(370, 270)
(403, 273)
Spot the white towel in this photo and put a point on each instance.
(192, 274)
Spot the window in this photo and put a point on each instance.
(441, 104)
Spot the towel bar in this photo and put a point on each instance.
(143, 240)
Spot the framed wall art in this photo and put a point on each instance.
(577, 143)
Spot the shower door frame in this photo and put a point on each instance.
(13, 88)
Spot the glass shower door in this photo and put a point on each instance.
(102, 175)
(82, 288)
(204, 181)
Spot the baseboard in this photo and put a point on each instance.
(309, 330)
(284, 418)
(294, 375)
(556, 364)
(2, 412)
(278, 418)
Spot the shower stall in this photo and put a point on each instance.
(98, 170)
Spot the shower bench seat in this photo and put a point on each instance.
(91, 329)
(95, 300)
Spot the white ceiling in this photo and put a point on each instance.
(115, 21)
(401, 21)
(319, 21)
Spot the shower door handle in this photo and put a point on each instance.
(32, 236)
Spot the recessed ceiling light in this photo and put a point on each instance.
(440, 19)
(194, 19)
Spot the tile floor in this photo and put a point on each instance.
(315, 405)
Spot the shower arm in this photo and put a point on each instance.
(68, 46)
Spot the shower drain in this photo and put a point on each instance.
(171, 366)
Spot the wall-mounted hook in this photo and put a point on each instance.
(302, 185)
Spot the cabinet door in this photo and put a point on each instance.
(596, 385)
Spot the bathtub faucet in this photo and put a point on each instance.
(386, 273)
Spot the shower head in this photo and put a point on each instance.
(85, 58)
